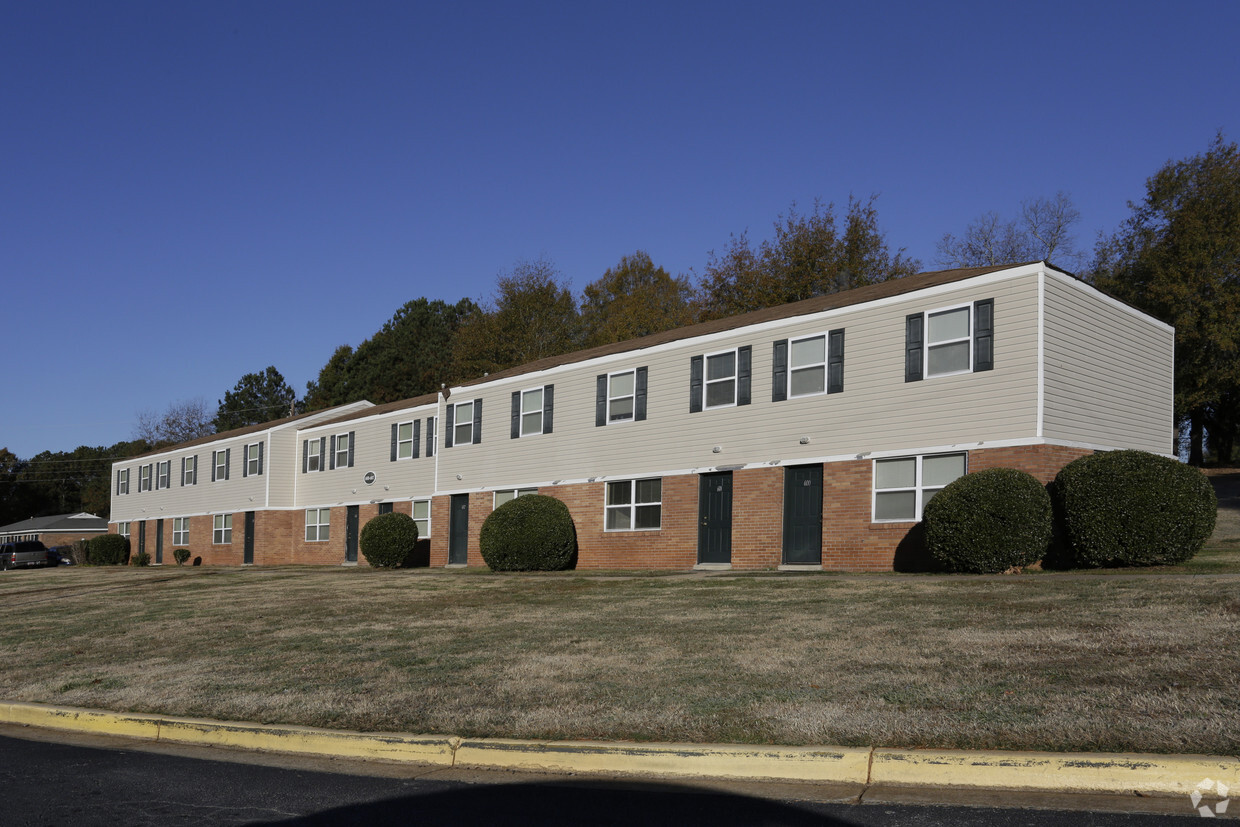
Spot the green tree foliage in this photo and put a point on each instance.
(989, 522)
(108, 550)
(530, 533)
(332, 385)
(1041, 232)
(634, 299)
(533, 315)
(256, 398)
(808, 256)
(1178, 258)
(60, 482)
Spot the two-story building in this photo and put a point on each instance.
(810, 434)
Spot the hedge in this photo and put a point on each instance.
(530, 533)
(989, 522)
(108, 550)
(388, 540)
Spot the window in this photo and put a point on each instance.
(620, 397)
(404, 440)
(956, 340)
(341, 454)
(502, 497)
(634, 505)
(122, 529)
(163, 474)
(220, 460)
(422, 517)
(222, 533)
(312, 455)
(532, 411)
(720, 380)
(464, 425)
(122, 481)
(903, 485)
(253, 460)
(807, 366)
(318, 524)
(180, 531)
(144, 478)
(189, 470)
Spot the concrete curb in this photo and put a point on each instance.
(1025, 771)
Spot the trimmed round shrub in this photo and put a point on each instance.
(388, 540)
(108, 550)
(180, 555)
(1132, 508)
(530, 533)
(989, 522)
(140, 559)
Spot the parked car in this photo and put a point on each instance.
(60, 556)
(24, 554)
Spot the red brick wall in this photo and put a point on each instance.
(53, 540)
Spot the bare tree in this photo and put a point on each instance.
(180, 422)
(1041, 232)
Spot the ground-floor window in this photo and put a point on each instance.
(422, 517)
(122, 529)
(502, 497)
(222, 532)
(634, 505)
(318, 524)
(903, 485)
(180, 531)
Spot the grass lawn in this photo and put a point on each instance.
(1050, 662)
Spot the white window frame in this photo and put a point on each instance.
(122, 481)
(413, 511)
(515, 492)
(541, 391)
(612, 419)
(457, 424)
(180, 531)
(163, 475)
(632, 505)
(404, 447)
(342, 450)
(145, 472)
(320, 528)
(221, 530)
(968, 339)
(123, 528)
(314, 461)
(253, 463)
(918, 487)
(189, 475)
(707, 381)
(220, 460)
(824, 365)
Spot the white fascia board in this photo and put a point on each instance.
(707, 340)
(1113, 302)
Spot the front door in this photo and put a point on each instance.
(142, 537)
(248, 559)
(159, 542)
(458, 531)
(350, 534)
(715, 518)
(803, 515)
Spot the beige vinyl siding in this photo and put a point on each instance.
(877, 410)
(283, 452)
(1109, 372)
(372, 450)
(237, 493)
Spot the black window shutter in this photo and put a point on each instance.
(744, 362)
(245, 461)
(600, 400)
(194, 474)
(835, 361)
(516, 414)
(984, 335)
(548, 407)
(322, 453)
(333, 453)
(213, 454)
(430, 436)
(449, 416)
(912, 347)
(350, 449)
(639, 396)
(182, 472)
(695, 384)
(477, 421)
(395, 427)
(260, 458)
(305, 455)
(779, 371)
(118, 482)
(416, 435)
(227, 461)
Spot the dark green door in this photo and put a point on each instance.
(803, 514)
(248, 559)
(458, 531)
(350, 534)
(142, 537)
(159, 542)
(715, 518)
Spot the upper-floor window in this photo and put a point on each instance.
(464, 425)
(634, 505)
(341, 454)
(532, 411)
(405, 440)
(903, 485)
(221, 533)
(189, 470)
(220, 460)
(144, 478)
(253, 460)
(950, 340)
(312, 454)
(163, 474)
(122, 481)
(807, 365)
(620, 397)
(510, 494)
(720, 380)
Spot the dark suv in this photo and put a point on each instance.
(24, 554)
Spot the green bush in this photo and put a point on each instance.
(388, 540)
(1132, 508)
(989, 522)
(108, 550)
(530, 533)
(140, 559)
(180, 555)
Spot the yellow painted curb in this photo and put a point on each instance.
(1064, 772)
(838, 764)
(81, 720)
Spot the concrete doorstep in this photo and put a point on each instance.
(865, 768)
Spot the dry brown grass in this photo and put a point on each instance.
(1227, 487)
(1060, 663)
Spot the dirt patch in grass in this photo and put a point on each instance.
(1226, 483)
(1079, 663)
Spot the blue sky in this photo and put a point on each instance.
(193, 191)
